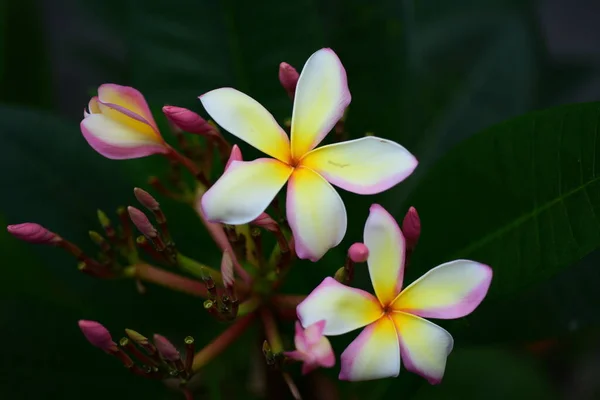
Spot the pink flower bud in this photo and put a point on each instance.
(411, 228)
(146, 199)
(358, 252)
(97, 335)
(141, 221)
(312, 348)
(189, 121)
(236, 155)
(33, 233)
(288, 76)
(227, 270)
(166, 348)
(265, 221)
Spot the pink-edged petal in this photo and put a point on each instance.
(451, 290)
(129, 119)
(321, 97)
(316, 214)
(92, 107)
(424, 346)
(323, 353)
(374, 354)
(247, 119)
(314, 332)
(367, 165)
(245, 190)
(128, 98)
(387, 249)
(117, 141)
(343, 308)
(299, 338)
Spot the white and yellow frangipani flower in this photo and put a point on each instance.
(315, 211)
(393, 319)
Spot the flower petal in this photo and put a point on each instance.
(451, 290)
(424, 346)
(117, 141)
(314, 332)
(128, 98)
(247, 119)
(374, 354)
(387, 249)
(367, 165)
(245, 190)
(322, 95)
(324, 353)
(316, 214)
(343, 308)
(129, 119)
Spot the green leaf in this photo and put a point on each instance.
(522, 197)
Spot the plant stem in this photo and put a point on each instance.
(271, 330)
(222, 341)
(285, 305)
(149, 273)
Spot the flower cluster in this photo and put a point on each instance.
(237, 210)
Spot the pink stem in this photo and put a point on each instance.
(148, 273)
(222, 341)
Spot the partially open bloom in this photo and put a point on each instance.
(118, 124)
(312, 348)
(395, 328)
(315, 211)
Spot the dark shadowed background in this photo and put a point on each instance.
(425, 73)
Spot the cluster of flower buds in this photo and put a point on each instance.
(157, 360)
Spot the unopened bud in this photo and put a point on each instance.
(341, 275)
(227, 270)
(288, 76)
(104, 221)
(265, 221)
(136, 337)
(97, 335)
(166, 348)
(141, 221)
(411, 228)
(188, 121)
(236, 155)
(33, 233)
(358, 252)
(146, 199)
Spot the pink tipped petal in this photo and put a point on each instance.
(245, 190)
(299, 338)
(374, 354)
(93, 107)
(129, 119)
(117, 141)
(451, 290)
(314, 332)
(316, 214)
(365, 166)
(245, 118)
(424, 346)
(128, 98)
(323, 353)
(386, 247)
(295, 355)
(236, 155)
(343, 308)
(321, 97)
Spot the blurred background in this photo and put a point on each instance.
(425, 73)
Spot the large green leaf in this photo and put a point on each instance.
(522, 197)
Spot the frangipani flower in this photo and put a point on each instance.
(315, 211)
(395, 328)
(312, 348)
(119, 125)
